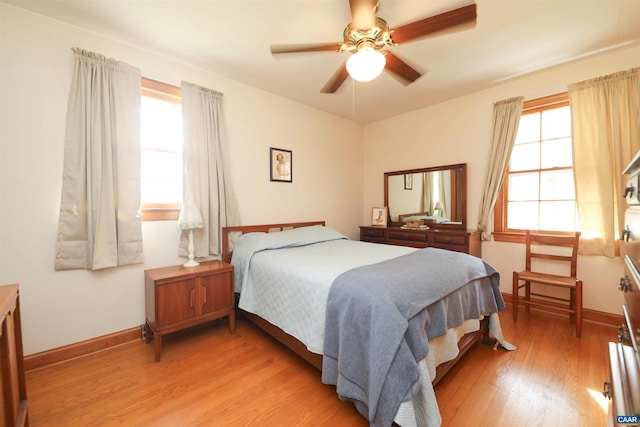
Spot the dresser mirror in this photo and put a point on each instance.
(434, 196)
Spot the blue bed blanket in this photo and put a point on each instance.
(377, 320)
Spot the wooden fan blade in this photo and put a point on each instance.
(436, 23)
(296, 48)
(401, 69)
(336, 80)
(363, 14)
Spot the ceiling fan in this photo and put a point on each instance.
(367, 36)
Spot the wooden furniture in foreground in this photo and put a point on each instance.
(13, 390)
(451, 239)
(541, 247)
(464, 345)
(623, 386)
(180, 297)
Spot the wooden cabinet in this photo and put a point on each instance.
(451, 239)
(623, 387)
(13, 411)
(179, 297)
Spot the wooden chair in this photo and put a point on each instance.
(538, 246)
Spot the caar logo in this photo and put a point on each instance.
(627, 419)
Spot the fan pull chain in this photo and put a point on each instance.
(353, 97)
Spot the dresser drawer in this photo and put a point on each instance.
(407, 236)
(373, 235)
(449, 239)
(623, 386)
(631, 307)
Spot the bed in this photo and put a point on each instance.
(284, 284)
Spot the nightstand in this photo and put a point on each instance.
(180, 297)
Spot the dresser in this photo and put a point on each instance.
(451, 239)
(623, 386)
(179, 297)
(13, 390)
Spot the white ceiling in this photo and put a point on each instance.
(232, 38)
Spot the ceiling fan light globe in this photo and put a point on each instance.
(366, 64)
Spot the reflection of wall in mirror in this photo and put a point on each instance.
(403, 201)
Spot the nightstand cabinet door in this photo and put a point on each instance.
(176, 301)
(217, 294)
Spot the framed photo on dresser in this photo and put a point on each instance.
(379, 216)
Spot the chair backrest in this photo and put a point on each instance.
(538, 247)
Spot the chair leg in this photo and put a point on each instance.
(514, 296)
(572, 305)
(527, 295)
(578, 308)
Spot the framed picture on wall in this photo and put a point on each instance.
(281, 165)
(408, 181)
(379, 216)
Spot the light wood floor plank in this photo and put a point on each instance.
(208, 377)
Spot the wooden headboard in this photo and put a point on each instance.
(403, 216)
(266, 228)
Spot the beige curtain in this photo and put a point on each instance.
(443, 190)
(206, 178)
(506, 118)
(426, 197)
(605, 116)
(99, 224)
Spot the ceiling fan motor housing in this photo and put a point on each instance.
(376, 37)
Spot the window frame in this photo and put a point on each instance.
(500, 231)
(165, 92)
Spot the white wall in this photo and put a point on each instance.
(459, 131)
(64, 307)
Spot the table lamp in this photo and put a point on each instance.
(190, 219)
(438, 208)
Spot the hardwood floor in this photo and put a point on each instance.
(208, 377)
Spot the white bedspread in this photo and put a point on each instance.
(303, 315)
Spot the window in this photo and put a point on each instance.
(161, 151)
(538, 192)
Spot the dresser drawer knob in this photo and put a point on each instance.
(623, 334)
(606, 392)
(625, 284)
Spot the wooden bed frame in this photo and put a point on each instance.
(464, 345)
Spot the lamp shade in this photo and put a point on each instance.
(190, 217)
(438, 209)
(366, 64)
